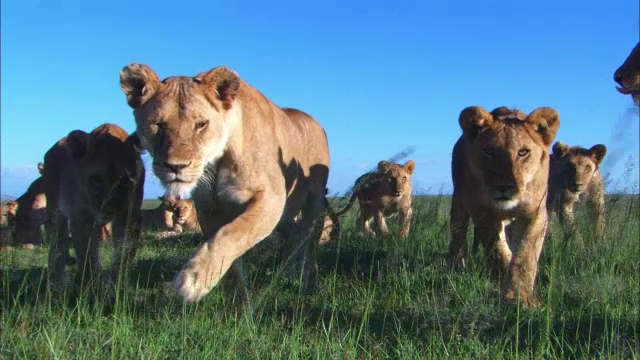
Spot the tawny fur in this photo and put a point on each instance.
(90, 181)
(31, 215)
(160, 218)
(575, 177)
(382, 193)
(628, 75)
(185, 214)
(7, 224)
(500, 169)
(252, 167)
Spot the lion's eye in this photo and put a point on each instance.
(404, 179)
(523, 152)
(390, 180)
(489, 152)
(587, 168)
(200, 125)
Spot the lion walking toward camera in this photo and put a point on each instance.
(574, 178)
(382, 193)
(500, 170)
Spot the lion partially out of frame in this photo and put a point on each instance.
(500, 168)
(252, 167)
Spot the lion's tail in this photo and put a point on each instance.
(349, 205)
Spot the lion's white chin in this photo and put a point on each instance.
(506, 204)
(179, 188)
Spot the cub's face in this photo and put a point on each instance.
(576, 166)
(184, 210)
(507, 150)
(396, 178)
(184, 122)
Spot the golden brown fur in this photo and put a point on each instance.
(184, 212)
(628, 75)
(31, 215)
(252, 167)
(7, 224)
(500, 169)
(92, 180)
(160, 218)
(383, 193)
(575, 177)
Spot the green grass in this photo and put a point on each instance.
(411, 309)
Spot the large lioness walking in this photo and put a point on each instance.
(628, 75)
(252, 167)
(382, 193)
(500, 169)
(92, 180)
(574, 177)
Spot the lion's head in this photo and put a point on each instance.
(508, 151)
(8, 211)
(107, 169)
(396, 179)
(184, 210)
(628, 75)
(576, 165)
(184, 122)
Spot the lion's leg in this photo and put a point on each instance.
(404, 221)
(126, 235)
(86, 242)
(524, 265)
(57, 230)
(365, 221)
(458, 227)
(212, 260)
(311, 230)
(595, 208)
(496, 250)
(567, 220)
(382, 224)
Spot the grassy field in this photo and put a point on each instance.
(412, 309)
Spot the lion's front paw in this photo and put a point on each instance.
(526, 299)
(191, 282)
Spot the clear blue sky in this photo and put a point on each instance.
(379, 75)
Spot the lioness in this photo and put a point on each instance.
(92, 180)
(31, 215)
(251, 165)
(574, 175)
(500, 169)
(382, 193)
(186, 216)
(628, 75)
(160, 218)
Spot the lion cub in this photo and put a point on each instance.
(500, 168)
(159, 218)
(186, 217)
(575, 176)
(382, 193)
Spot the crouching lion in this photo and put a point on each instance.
(574, 176)
(252, 167)
(382, 193)
(92, 180)
(185, 214)
(159, 218)
(500, 169)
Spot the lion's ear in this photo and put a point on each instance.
(473, 120)
(139, 83)
(383, 166)
(545, 121)
(78, 143)
(224, 81)
(41, 168)
(134, 141)
(598, 152)
(409, 166)
(560, 149)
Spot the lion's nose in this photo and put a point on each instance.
(176, 167)
(617, 76)
(506, 189)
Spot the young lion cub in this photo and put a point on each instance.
(575, 176)
(383, 193)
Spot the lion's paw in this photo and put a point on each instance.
(190, 283)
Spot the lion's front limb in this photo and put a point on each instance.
(212, 260)
(458, 226)
(523, 268)
(404, 219)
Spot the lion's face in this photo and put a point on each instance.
(107, 171)
(628, 75)
(184, 210)
(396, 179)
(31, 215)
(508, 151)
(8, 213)
(184, 122)
(576, 165)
